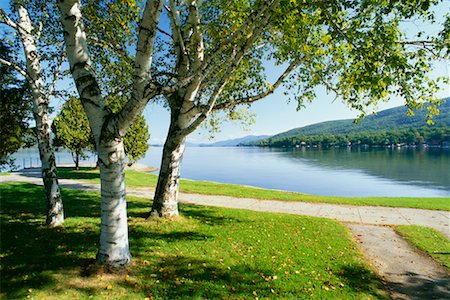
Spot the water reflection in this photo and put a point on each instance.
(427, 167)
(342, 172)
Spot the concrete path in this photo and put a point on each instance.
(407, 273)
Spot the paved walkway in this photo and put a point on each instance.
(406, 273)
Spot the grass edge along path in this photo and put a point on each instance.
(428, 240)
(135, 179)
(210, 252)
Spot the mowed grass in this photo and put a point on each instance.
(136, 179)
(211, 253)
(429, 240)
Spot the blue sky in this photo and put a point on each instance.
(274, 114)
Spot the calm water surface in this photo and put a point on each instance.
(340, 172)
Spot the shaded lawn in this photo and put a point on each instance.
(429, 240)
(208, 253)
(138, 179)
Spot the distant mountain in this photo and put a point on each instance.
(389, 119)
(236, 142)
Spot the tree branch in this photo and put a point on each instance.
(15, 67)
(165, 33)
(144, 88)
(182, 58)
(424, 44)
(41, 23)
(210, 62)
(232, 64)
(4, 19)
(147, 33)
(56, 74)
(270, 90)
(114, 47)
(80, 65)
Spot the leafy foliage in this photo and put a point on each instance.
(353, 48)
(111, 25)
(15, 111)
(48, 39)
(356, 49)
(72, 131)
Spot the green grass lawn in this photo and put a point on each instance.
(138, 179)
(428, 240)
(4, 173)
(212, 253)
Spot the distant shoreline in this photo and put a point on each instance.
(423, 146)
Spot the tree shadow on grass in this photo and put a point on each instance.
(32, 254)
(29, 249)
(189, 277)
(359, 278)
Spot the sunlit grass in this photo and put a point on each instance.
(137, 179)
(428, 240)
(211, 253)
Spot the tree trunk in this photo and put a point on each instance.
(55, 212)
(114, 249)
(165, 203)
(76, 160)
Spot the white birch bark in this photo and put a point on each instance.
(55, 212)
(165, 202)
(114, 247)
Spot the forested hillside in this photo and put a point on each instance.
(391, 126)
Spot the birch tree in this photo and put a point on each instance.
(110, 128)
(353, 48)
(42, 87)
(210, 58)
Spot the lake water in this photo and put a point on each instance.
(341, 172)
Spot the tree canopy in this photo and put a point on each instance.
(15, 111)
(72, 131)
